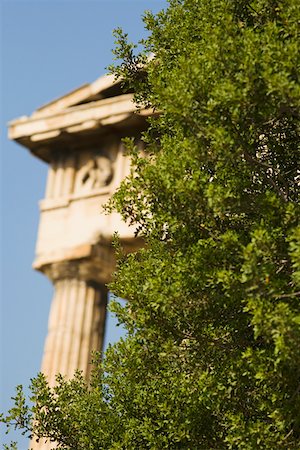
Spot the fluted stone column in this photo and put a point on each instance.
(75, 328)
(76, 324)
(76, 321)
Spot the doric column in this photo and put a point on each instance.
(77, 319)
(76, 323)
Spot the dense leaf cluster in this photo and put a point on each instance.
(212, 357)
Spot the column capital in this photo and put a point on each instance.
(89, 263)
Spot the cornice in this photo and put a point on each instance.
(41, 133)
(75, 119)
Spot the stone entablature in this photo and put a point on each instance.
(79, 136)
(78, 185)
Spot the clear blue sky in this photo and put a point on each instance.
(47, 49)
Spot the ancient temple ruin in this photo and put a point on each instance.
(79, 137)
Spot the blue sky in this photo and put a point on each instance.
(48, 48)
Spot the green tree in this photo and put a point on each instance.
(212, 357)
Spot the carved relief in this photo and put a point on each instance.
(94, 174)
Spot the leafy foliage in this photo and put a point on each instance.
(212, 358)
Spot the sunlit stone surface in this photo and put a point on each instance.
(79, 137)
